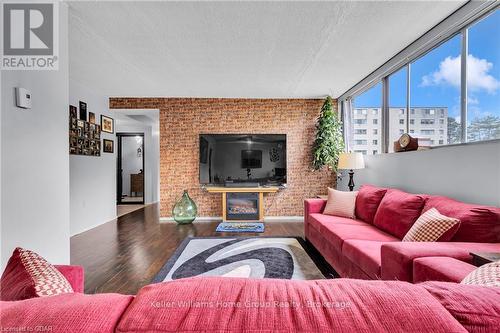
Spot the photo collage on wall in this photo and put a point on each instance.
(84, 136)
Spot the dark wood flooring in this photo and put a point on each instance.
(124, 255)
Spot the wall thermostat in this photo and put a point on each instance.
(23, 98)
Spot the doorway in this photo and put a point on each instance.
(130, 168)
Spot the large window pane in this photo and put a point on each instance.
(367, 121)
(435, 95)
(483, 79)
(397, 106)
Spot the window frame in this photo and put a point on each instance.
(467, 17)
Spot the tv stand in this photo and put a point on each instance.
(257, 189)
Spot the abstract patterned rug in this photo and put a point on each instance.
(249, 257)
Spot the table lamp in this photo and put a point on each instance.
(351, 161)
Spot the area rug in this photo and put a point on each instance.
(247, 257)
(240, 227)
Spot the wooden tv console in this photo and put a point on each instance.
(259, 190)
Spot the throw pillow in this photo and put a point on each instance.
(487, 275)
(431, 226)
(367, 202)
(340, 203)
(398, 211)
(28, 275)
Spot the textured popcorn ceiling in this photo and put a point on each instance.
(240, 49)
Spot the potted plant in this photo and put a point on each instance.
(329, 141)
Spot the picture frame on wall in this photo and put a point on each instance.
(73, 112)
(107, 124)
(92, 117)
(107, 146)
(83, 111)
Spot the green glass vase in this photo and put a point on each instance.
(184, 210)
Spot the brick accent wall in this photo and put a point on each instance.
(183, 119)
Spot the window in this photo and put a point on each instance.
(397, 104)
(367, 129)
(425, 94)
(435, 84)
(427, 121)
(360, 151)
(375, 152)
(375, 142)
(483, 79)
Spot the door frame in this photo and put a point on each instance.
(119, 178)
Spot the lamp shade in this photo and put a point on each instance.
(351, 161)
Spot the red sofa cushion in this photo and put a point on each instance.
(73, 312)
(75, 276)
(398, 211)
(476, 308)
(317, 221)
(28, 275)
(365, 254)
(478, 223)
(336, 234)
(271, 305)
(367, 202)
(444, 269)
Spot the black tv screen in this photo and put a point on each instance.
(232, 159)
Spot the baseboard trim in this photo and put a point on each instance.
(219, 219)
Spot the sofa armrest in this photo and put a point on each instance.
(312, 206)
(74, 275)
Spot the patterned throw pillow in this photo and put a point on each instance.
(431, 226)
(341, 203)
(28, 275)
(487, 275)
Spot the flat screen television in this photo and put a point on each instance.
(242, 159)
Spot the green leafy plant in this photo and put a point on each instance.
(329, 142)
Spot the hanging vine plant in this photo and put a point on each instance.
(329, 142)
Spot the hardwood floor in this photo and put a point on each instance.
(124, 255)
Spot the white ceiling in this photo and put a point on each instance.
(240, 49)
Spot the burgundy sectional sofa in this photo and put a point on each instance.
(267, 305)
(370, 246)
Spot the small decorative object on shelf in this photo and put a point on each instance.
(405, 143)
(185, 210)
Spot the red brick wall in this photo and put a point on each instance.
(183, 119)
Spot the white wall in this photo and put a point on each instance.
(152, 156)
(469, 173)
(131, 163)
(92, 178)
(34, 160)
